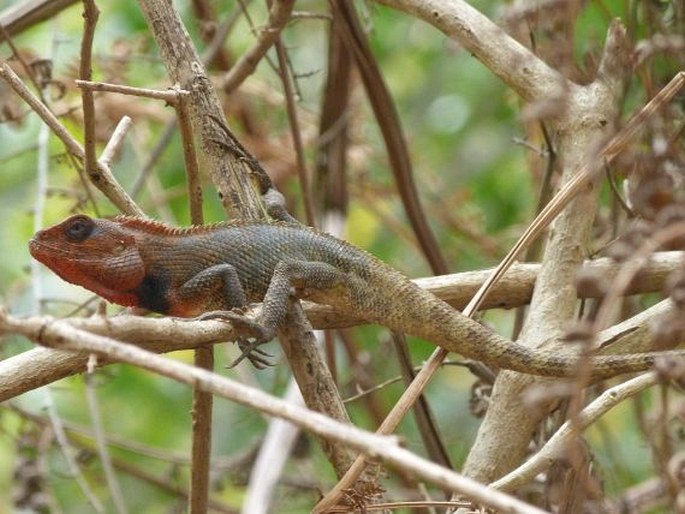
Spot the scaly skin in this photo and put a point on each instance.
(188, 272)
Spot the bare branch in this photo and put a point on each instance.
(90, 19)
(108, 184)
(37, 367)
(512, 62)
(278, 17)
(115, 142)
(23, 15)
(101, 443)
(557, 444)
(185, 68)
(168, 95)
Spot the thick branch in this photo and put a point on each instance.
(185, 68)
(40, 366)
(590, 111)
(516, 286)
(22, 15)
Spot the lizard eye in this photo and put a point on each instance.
(79, 229)
(119, 248)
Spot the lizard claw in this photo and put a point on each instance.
(242, 324)
(258, 335)
(257, 357)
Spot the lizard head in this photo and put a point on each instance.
(98, 254)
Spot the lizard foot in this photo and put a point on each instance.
(246, 326)
(253, 334)
(257, 357)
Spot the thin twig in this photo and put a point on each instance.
(170, 96)
(154, 156)
(19, 57)
(108, 185)
(90, 19)
(617, 194)
(295, 132)
(390, 126)
(67, 451)
(279, 14)
(193, 182)
(115, 141)
(101, 441)
(76, 435)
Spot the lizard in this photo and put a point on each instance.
(188, 272)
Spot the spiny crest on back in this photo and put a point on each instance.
(157, 227)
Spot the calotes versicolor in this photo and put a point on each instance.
(190, 271)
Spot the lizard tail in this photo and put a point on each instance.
(427, 317)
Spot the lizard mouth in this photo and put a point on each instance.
(37, 247)
(40, 249)
(56, 257)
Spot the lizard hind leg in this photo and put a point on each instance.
(297, 277)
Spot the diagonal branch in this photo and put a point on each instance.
(278, 16)
(557, 444)
(351, 32)
(107, 184)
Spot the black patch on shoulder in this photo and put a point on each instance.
(152, 292)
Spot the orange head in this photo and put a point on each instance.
(98, 254)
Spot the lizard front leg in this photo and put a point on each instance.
(289, 276)
(223, 281)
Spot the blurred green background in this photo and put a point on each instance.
(478, 183)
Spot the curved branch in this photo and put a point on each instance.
(558, 443)
(512, 62)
